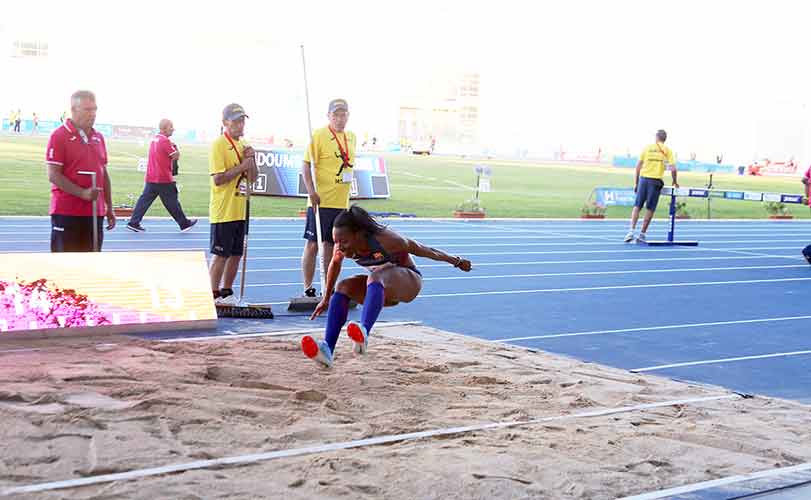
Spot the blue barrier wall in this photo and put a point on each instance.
(685, 166)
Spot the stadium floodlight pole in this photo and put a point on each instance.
(321, 271)
(95, 206)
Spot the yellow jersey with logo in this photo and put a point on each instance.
(653, 160)
(330, 180)
(226, 203)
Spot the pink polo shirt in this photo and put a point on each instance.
(159, 168)
(69, 148)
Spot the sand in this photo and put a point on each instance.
(78, 408)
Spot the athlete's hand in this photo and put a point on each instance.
(635, 188)
(321, 307)
(315, 200)
(463, 264)
(676, 185)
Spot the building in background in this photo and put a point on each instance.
(444, 114)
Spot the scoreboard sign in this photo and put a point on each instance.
(280, 175)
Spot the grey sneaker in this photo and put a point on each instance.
(629, 237)
(641, 238)
(136, 228)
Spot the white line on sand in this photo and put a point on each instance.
(345, 445)
(670, 492)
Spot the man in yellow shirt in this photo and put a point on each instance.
(648, 183)
(333, 148)
(232, 167)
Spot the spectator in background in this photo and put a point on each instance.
(159, 181)
(17, 121)
(34, 124)
(806, 182)
(648, 182)
(72, 148)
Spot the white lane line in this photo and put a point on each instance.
(611, 287)
(524, 263)
(720, 360)
(689, 488)
(345, 445)
(582, 273)
(281, 333)
(757, 254)
(654, 328)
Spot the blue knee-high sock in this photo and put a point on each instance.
(336, 317)
(372, 304)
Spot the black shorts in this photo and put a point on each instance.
(228, 238)
(647, 193)
(327, 216)
(71, 233)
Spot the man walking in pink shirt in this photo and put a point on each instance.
(160, 182)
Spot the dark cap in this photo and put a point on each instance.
(336, 104)
(233, 112)
(661, 135)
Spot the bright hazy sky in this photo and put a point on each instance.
(720, 76)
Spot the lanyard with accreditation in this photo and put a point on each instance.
(346, 177)
(242, 183)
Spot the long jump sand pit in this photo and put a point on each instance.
(75, 409)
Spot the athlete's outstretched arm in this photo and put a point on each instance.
(420, 250)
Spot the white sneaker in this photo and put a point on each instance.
(359, 336)
(629, 237)
(641, 238)
(231, 300)
(318, 351)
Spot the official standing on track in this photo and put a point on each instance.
(648, 183)
(77, 147)
(231, 165)
(333, 148)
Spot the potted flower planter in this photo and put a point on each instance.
(781, 217)
(122, 211)
(592, 216)
(461, 214)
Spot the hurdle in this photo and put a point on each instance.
(671, 241)
(706, 193)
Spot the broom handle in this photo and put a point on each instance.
(245, 240)
(321, 273)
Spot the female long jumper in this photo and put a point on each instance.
(393, 278)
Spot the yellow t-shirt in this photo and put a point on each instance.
(226, 204)
(329, 178)
(653, 160)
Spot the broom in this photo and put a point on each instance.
(244, 309)
(306, 304)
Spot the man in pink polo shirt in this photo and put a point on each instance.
(160, 182)
(77, 147)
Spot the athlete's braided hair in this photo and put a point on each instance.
(357, 219)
